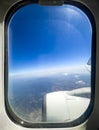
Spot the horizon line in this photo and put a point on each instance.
(50, 71)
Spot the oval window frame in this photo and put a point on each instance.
(87, 113)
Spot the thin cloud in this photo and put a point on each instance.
(80, 82)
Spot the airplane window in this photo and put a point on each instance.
(48, 64)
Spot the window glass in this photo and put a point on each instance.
(49, 63)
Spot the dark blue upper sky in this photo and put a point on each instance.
(47, 37)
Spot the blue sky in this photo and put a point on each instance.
(48, 37)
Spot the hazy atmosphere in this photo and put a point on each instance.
(48, 51)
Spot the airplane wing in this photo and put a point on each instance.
(65, 106)
(89, 65)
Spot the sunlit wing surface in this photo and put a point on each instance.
(61, 106)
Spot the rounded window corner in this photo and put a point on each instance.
(54, 91)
